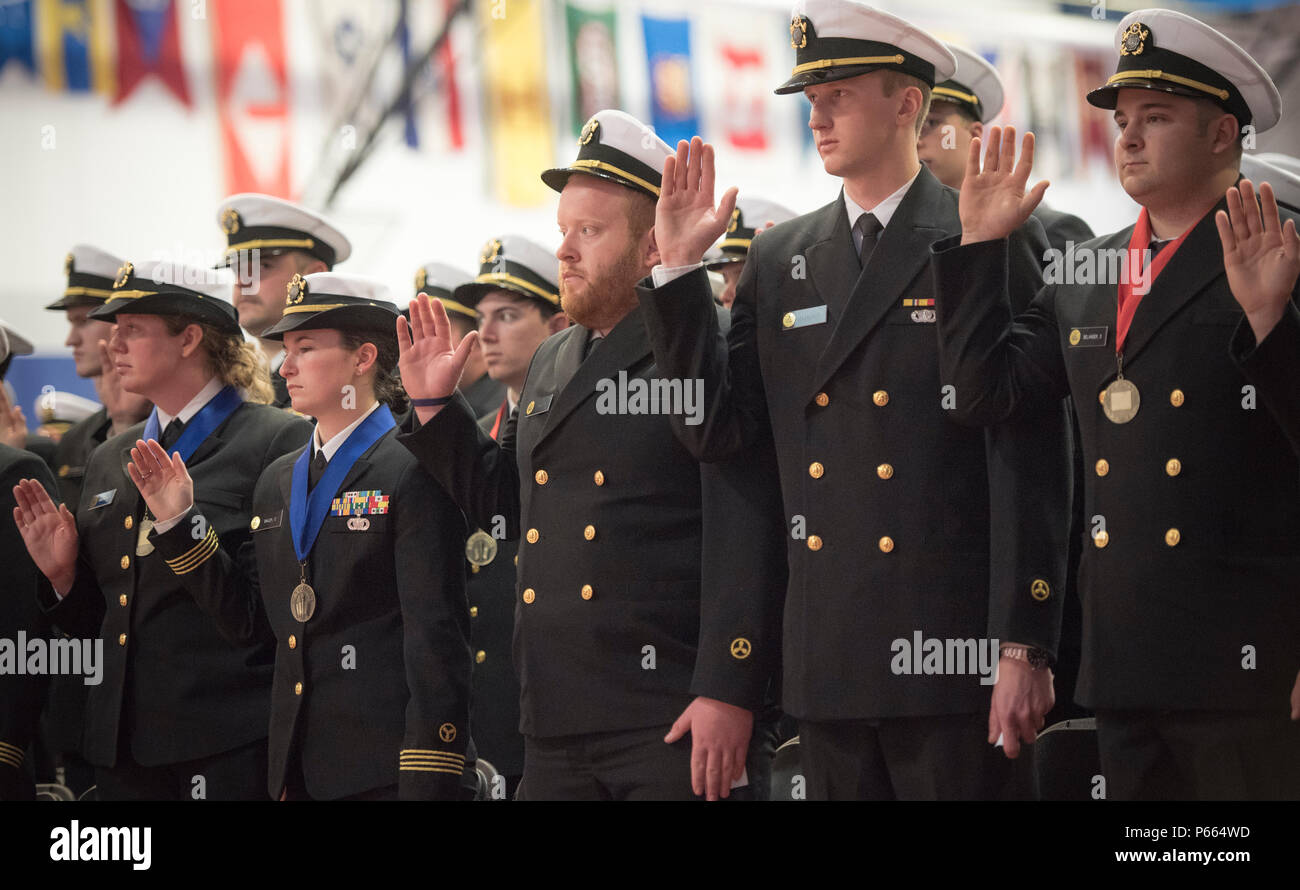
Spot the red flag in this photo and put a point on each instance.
(447, 62)
(745, 98)
(148, 42)
(252, 95)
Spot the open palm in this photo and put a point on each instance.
(993, 201)
(163, 481)
(49, 533)
(686, 222)
(1261, 257)
(429, 363)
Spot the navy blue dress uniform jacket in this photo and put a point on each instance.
(643, 579)
(21, 695)
(174, 689)
(899, 520)
(373, 689)
(1191, 597)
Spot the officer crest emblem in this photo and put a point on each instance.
(799, 32)
(1134, 41)
(230, 221)
(491, 251)
(67, 265)
(589, 131)
(123, 273)
(296, 289)
(735, 221)
(421, 278)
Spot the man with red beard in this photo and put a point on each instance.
(648, 585)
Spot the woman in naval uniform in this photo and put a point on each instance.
(359, 575)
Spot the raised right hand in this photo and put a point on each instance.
(429, 365)
(49, 532)
(162, 480)
(993, 201)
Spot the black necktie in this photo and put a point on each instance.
(316, 469)
(172, 433)
(870, 228)
(592, 343)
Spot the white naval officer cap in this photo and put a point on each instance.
(1163, 50)
(836, 39)
(273, 225)
(975, 87)
(1280, 171)
(90, 272)
(440, 280)
(616, 146)
(517, 264)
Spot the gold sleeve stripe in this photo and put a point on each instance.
(406, 751)
(453, 761)
(196, 556)
(17, 762)
(13, 748)
(430, 769)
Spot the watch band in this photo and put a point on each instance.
(1036, 658)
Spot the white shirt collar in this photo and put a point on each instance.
(194, 406)
(335, 443)
(884, 211)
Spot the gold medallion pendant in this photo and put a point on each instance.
(302, 602)
(1120, 401)
(481, 548)
(143, 546)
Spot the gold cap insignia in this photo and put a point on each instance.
(230, 220)
(491, 251)
(588, 131)
(421, 278)
(735, 221)
(67, 265)
(1134, 40)
(123, 273)
(297, 289)
(799, 32)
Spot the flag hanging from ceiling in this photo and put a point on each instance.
(75, 45)
(16, 35)
(593, 67)
(148, 42)
(668, 54)
(518, 107)
(252, 95)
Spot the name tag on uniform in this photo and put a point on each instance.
(103, 499)
(539, 405)
(1095, 336)
(802, 318)
(360, 503)
(271, 520)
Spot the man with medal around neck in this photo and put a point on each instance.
(359, 583)
(1184, 383)
(181, 713)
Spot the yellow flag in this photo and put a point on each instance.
(518, 108)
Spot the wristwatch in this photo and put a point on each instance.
(1036, 658)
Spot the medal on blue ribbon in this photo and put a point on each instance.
(307, 509)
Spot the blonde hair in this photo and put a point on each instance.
(236, 361)
(891, 81)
